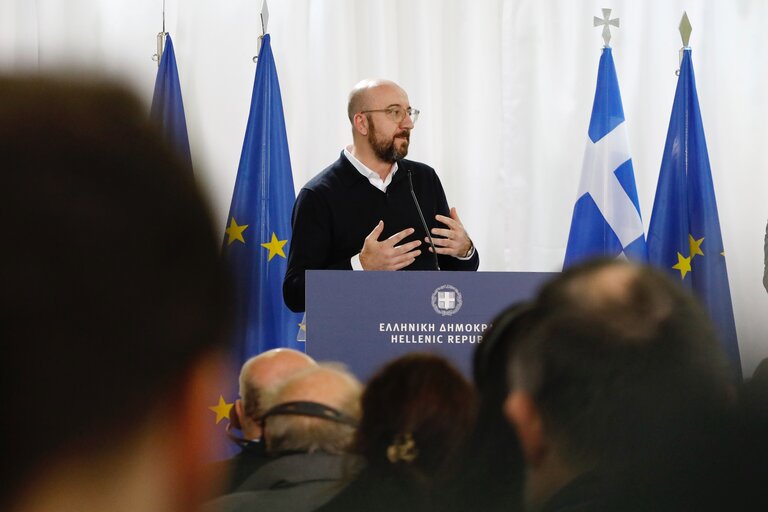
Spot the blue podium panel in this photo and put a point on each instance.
(365, 319)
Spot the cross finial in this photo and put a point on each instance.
(605, 21)
(685, 29)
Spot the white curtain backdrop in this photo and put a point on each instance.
(505, 88)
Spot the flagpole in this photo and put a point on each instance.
(160, 41)
(264, 15)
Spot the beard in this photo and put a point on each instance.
(386, 150)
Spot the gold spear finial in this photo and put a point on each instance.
(685, 29)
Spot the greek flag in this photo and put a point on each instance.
(606, 218)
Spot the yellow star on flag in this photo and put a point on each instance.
(222, 409)
(235, 232)
(303, 327)
(695, 246)
(683, 265)
(275, 246)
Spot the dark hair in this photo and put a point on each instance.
(489, 362)
(112, 285)
(623, 365)
(492, 470)
(421, 396)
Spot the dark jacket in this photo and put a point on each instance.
(291, 483)
(241, 466)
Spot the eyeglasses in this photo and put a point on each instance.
(397, 114)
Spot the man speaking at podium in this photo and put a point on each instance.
(372, 209)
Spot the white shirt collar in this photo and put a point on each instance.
(372, 176)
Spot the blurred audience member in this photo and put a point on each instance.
(418, 412)
(492, 471)
(308, 426)
(257, 376)
(620, 395)
(114, 307)
(754, 402)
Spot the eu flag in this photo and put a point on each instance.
(258, 229)
(167, 106)
(684, 235)
(606, 217)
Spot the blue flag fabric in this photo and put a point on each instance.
(167, 106)
(684, 235)
(258, 229)
(606, 217)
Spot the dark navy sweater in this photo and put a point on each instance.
(338, 208)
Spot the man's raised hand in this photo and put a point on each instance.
(453, 241)
(386, 254)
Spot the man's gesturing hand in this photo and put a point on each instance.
(386, 254)
(453, 241)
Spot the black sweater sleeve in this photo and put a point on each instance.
(310, 246)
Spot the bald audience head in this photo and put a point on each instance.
(314, 410)
(260, 373)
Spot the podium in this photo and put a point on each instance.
(365, 319)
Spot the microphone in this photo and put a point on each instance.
(423, 222)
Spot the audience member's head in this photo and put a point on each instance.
(418, 412)
(260, 373)
(317, 409)
(621, 372)
(491, 358)
(492, 469)
(114, 304)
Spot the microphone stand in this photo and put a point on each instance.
(423, 222)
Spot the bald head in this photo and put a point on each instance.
(363, 95)
(271, 367)
(261, 373)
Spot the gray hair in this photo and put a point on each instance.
(306, 433)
